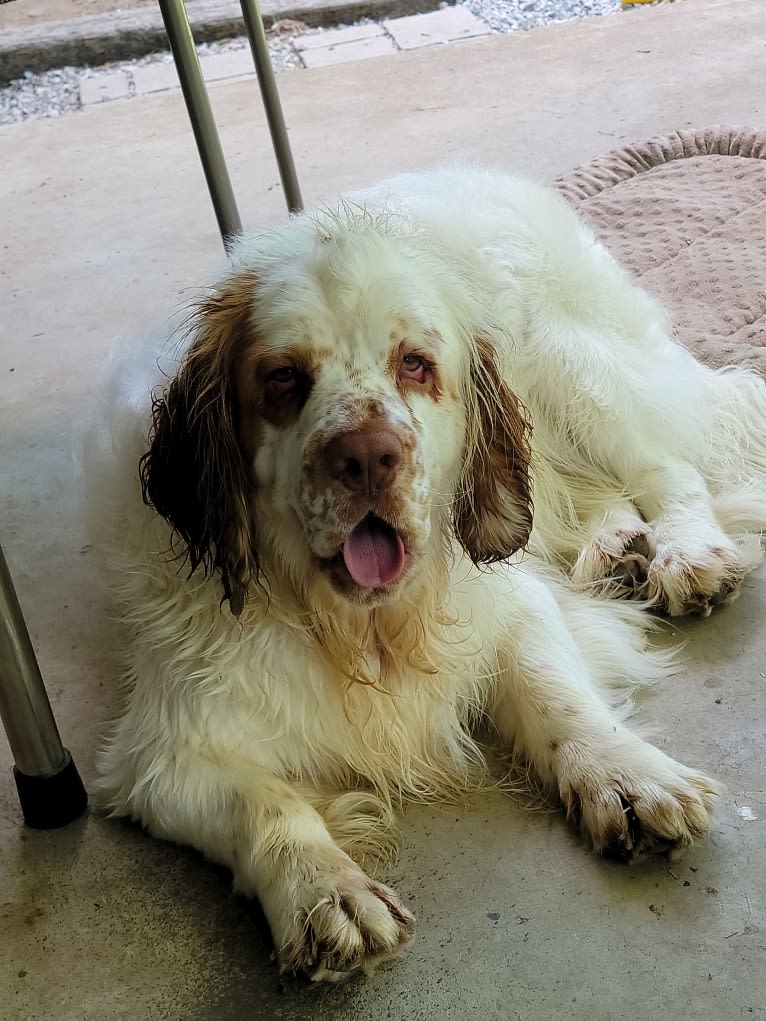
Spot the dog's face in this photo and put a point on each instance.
(350, 413)
(339, 417)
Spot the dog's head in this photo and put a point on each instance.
(339, 412)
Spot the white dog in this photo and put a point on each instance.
(327, 588)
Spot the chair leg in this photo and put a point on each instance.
(271, 103)
(50, 789)
(203, 123)
(201, 117)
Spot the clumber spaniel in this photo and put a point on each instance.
(338, 573)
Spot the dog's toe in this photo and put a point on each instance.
(648, 803)
(354, 928)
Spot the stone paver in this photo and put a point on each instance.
(376, 46)
(315, 49)
(444, 26)
(155, 78)
(234, 64)
(104, 88)
(152, 78)
(337, 36)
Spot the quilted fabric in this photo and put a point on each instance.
(686, 214)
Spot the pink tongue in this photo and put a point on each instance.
(373, 553)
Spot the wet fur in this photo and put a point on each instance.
(274, 722)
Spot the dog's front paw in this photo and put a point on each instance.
(636, 800)
(354, 925)
(618, 559)
(683, 580)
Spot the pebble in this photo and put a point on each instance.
(57, 93)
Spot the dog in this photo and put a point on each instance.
(318, 505)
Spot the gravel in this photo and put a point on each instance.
(50, 94)
(510, 15)
(57, 93)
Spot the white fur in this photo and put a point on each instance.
(277, 742)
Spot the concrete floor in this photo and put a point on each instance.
(106, 225)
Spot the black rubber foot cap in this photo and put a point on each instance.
(51, 801)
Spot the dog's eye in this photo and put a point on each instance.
(281, 381)
(413, 369)
(282, 390)
(284, 375)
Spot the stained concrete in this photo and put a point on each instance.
(106, 227)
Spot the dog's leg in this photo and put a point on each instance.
(562, 650)
(667, 548)
(696, 565)
(619, 399)
(327, 917)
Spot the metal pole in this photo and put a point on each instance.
(260, 47)
(201, 117)
(24, 705)
(49, 786)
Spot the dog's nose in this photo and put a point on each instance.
(366, 460)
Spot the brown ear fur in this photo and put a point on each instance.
(493, 507)
(194, 473)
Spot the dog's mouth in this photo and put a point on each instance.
(374, 553)
(372, 557)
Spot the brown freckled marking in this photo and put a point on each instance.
(395, 355)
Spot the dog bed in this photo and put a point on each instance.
(686, 214)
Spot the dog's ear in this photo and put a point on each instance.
(492, 512)
(195, 473)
